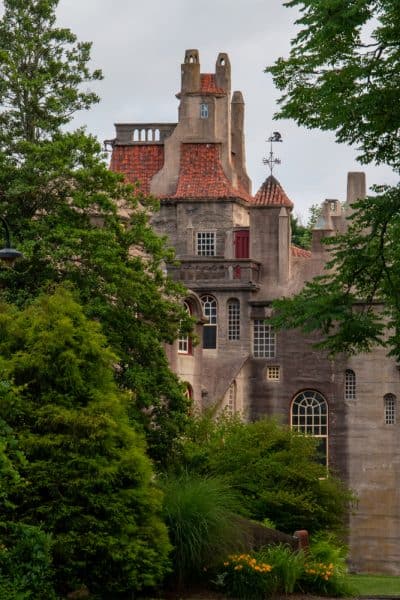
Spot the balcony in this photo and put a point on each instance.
(142, 133)
(198, 272)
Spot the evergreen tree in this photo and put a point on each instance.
(61, 202)
(343, 75)
(86, 478)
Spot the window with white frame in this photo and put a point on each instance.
(233, 319)
(203, 110)
(390, 408)
(350, 385)
(206, 243)
(309, 415)
(264, 340)
(184, 342)
(209, 329)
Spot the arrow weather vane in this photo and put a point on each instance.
(271, 161)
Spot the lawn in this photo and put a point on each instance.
(375, 584)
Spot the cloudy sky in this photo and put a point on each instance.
(140, 44)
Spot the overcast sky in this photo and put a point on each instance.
(140, 44)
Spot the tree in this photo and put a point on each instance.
(302, 235)
(62, 204)
(343, 75)
(273, 469)
(86, 478)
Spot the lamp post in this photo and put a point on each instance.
(8, 254)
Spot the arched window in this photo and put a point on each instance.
(233, 319)
(203, 110)
(350, 385)
(188, 393)
(310, 416)
(390, 408)
(230, 399)
(184, 341)
(209, 329)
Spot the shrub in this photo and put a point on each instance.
(25, 563)
(246, 577)
(86, 477)
(325, 570)
(273, 468)
(199, 513)
(288, 566)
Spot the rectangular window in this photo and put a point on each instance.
(183, 345)
(209, 337)
(264, 340)
(273, 373)
(206, 243)
(234, 320)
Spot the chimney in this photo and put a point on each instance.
(191, 72)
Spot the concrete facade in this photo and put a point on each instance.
(235, 257)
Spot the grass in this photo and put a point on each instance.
(383, 585)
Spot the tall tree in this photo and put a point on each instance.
(343, 74)
(86, 478)
(62, 204)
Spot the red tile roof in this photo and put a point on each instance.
(271, 193)
(138, 163)
(299, 252)
(208, 84)
(201, 174)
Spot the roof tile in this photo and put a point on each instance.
(271, 193)
(208, 84)
(299, 252)
(201, 174)
(138, 163)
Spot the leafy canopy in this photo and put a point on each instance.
(41, 70)
(343, 74)
(86, 479)
(62, 204)
(273, 469)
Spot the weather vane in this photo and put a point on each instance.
(271, 161)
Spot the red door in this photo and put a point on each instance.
(242, 243)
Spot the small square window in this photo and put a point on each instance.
(206, 245)
(273, 373)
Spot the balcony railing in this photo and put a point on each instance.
(221, 271)
(143, 133)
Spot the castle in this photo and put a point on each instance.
(235, 257)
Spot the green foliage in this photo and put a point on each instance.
(25, 563)
(342, 74)
(273, 469)
(288, 566)
(246, 576)
(200, 515)
(277, 569)
(61, 202)
(325, 569)
(302, 235)
(41, 67)
(86, 478)
(364, 266)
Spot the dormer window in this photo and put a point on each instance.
(203, 111)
